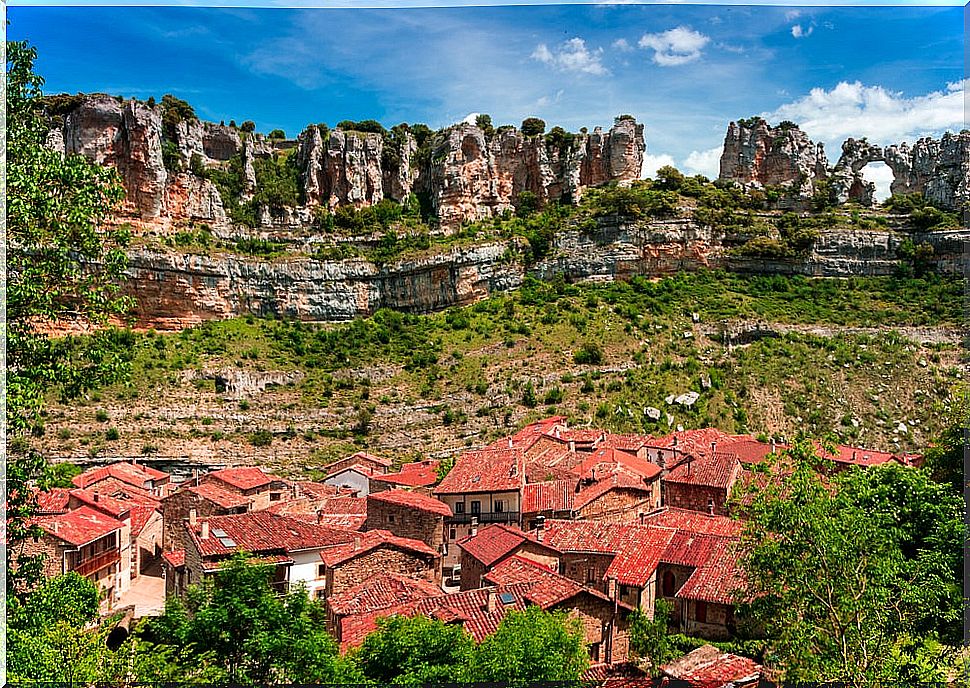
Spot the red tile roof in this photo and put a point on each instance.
(749, 450)
(627, 443)
(692, 441)
(527, 436)
(79, 527)
(259, 532)
(612, 459)
(551, 495)
(53, 501)
(367, 471)
(718, 470)
(343, 505)
(133, 474)
(549, 588)
(691, 549)
(417, 474)
(316, 490)
(175, 558)
(412, 500)
(693, 521)
(362, 543)
(858, 456)
(218, 495)
(719, 580)
(344, 521)
(372, 458)
(584, 536)
(379, 592)
(490, 470)
(115, 508)
(494, 542)
(636, 561)
(709, 667)
(615, 480)
(140, 516)
(241, 477)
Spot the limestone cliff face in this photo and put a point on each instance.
(757, 154)
(177, 290)
(127, 136)
(473, 176)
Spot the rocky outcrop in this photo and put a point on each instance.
(940, 169)
(847, 182)
(126, 135)
(759, 155)
(192, 198)
(213, 142)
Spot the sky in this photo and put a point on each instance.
(684, 70)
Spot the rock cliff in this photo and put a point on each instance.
(756, 154)
(465, 174)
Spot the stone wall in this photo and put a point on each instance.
(384, 559)
(175, 512)
(406, 522)
(696, 497)
(621, 505)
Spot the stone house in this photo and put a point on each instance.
(260, 488)
(155, 482)
(410, 515)
(377, 464)
(375, 593)
(710, 667)
(495, 543)
(702, 482)
(355, 479)
(548, 499)
(292, 547)
(199, 501)
(373, 552)
(418, 476)
(88, 542)
(482, 487)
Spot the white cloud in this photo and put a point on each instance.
(622, 45)
(798, 32)
(792, 14)
(706, 162)
(883, 116)
(881, 175)
(674, 46)
(572, 56)
(652, 163)
(470, 118)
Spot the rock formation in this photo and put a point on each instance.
(757, 154)
(466, 175)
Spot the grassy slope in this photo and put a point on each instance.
(456, 379)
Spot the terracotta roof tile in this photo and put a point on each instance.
(79, 527)
(417, 474)
(493, 542)
(550, 495)
(241, 477)
(362, 543)
(548, 587)
(259, 532)
(749, 450)
(610, 459)
(140, 516)
(379, 592)
(719, 579)
(412, 500)
(53, 501)
(133, 474)
(692, 441)
(115, 508)
(317, 490)
(693, 521)
(584, 536)
(709, 667)
(719, 469)
(614, 480)
(175, 558)
(218, 495)
(343, 505)
(343, 521)
(691, 549)
(372, 458)
(637, 560)
(490, 470)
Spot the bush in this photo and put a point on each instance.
(589, 353)
(533, 126)
(101, 416)
(277, 134)
(484, 122)
(367, 126)
(248, 126)
(261, 438)
(112, 434)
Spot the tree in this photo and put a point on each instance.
(415, 651)
(669, 178)
(590, 353)
(63, 263)
(47, 639)
(841, 583)
(649, 638)
(532, 646)
(532, 126)
(484, 122)
(235, 625)
(277, 134)
(249, 126)
(944, 460)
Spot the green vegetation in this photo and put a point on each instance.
(854, 577)
(532, 126)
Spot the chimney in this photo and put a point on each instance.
(673, 442)
(319, 516)
(540, 527)
(643, 518)
(205, 530)
(555, 432)
(710, 507)
(96, 497)
(510, 442)
(572, 445)
(474, 521)
(772, 445)
(593, 473)
(356, 542)
(713, 447)
(490, 601)
(193, 515)
(853, 454)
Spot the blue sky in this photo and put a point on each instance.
(684, 70)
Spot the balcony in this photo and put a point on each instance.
(486, 517)
(97, 562)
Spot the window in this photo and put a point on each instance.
(459, 507)
(321, 570)
(590, 575)
(499, 506)
(320, 593)
(668, 584)
(274, 496)
(700, 611)
(476, 507)
(453, 534)
(390, 518)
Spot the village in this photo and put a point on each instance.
(573, 519)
